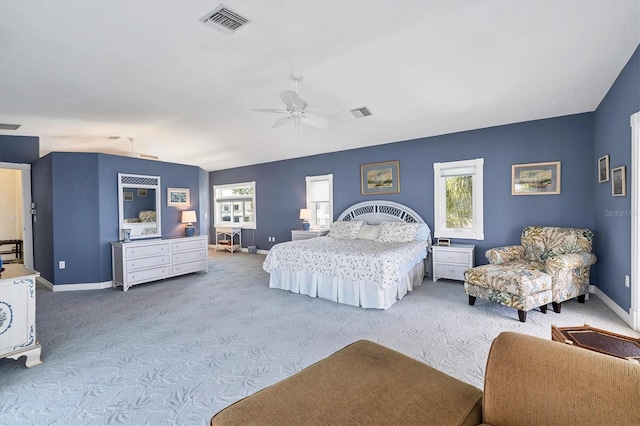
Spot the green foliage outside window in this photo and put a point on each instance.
(459, 201)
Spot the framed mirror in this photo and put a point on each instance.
(139, 206)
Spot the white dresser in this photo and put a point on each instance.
(142, 261)
(299, 234)
(451, 261)
(18, 314)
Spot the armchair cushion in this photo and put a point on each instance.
(500, 255)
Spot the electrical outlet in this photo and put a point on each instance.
(626, 280)
(62, 264)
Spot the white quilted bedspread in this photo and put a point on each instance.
(365, 260)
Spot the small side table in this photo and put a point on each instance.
(451, 261)
(226, 239)
(299, 234)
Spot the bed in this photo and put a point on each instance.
(373, 256)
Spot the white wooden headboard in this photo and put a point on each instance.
(376, 211)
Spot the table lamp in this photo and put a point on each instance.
(305, 215)
(188, 217)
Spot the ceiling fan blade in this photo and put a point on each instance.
(282, 121)
(150, 157)
(292, 100)
(268, 110)
(315, 120)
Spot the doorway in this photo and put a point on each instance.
(16, 230)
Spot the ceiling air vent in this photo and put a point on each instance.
(361, 112)
(224, 19)
(4, 126)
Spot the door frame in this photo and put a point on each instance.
(27, 224)
(635, 221)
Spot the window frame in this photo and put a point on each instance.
(219, 200)
(313, 221)
(441, 171)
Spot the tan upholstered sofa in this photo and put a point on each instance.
(528, 381)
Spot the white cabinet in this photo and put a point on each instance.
(451, 261)
(299, 234)
(18, 314)
(142, 261)
(228, 239)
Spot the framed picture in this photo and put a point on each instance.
(619, 182)
(178, 197)
(380, 178)
(142, 192)
(603, 169)
(127, 196)
(535, 178)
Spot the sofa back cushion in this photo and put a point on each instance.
(543, 242)
(529, 380)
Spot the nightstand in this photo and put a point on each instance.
(299, 234)
(451, 261)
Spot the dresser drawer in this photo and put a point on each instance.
(452, 272)
(450, 256)
(147, 275)
(185, 268)
(142, 251)
(189, 255)
(147, 262)
(188, 245)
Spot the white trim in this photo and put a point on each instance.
(27, 218)
(319, 178)
(625, 316)
(475, 168)
(217, 200)
(634, 311)
(74, 287)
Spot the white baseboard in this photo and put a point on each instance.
(244, 250)
(625, 316)
(74, 287)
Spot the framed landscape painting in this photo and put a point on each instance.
(178, 197)
(380, 178)
(535, 178)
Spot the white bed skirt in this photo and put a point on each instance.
(356, 293)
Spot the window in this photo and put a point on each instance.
(320, 201)
(457, 188)
(234, 205)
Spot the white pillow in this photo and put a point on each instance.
(397, 232)
(368, 232)
(345, 230)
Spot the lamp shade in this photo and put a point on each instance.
(189, 216)
(305, 214)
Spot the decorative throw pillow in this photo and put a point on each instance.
(397, 232)
(368, 232)
(345, 230)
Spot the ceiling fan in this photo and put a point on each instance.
(296, 109)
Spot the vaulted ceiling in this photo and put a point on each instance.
(75, 73)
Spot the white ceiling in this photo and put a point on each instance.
(76, 72)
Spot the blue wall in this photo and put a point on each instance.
(77, 197)
(612, 135)
(280, 186)
(19, 149)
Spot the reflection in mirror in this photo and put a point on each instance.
(139, 200)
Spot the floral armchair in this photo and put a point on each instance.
(551, 264)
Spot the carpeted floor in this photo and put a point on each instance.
(179, 350)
